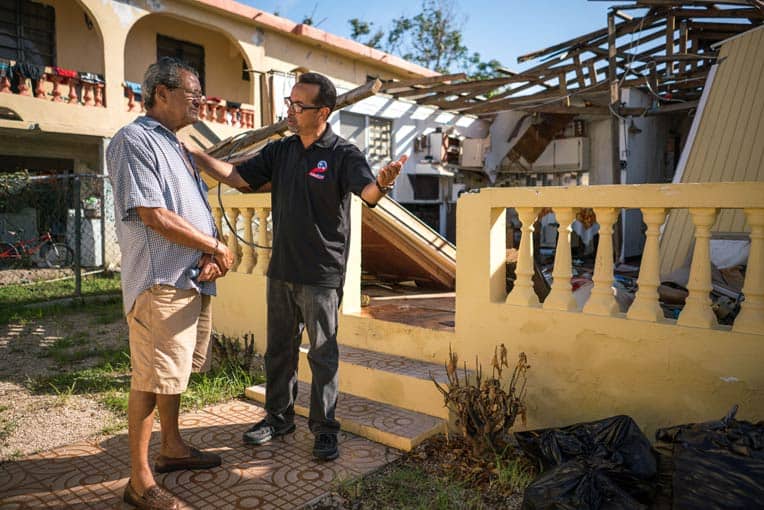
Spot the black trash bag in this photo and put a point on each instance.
(607, 464)
(717, 464)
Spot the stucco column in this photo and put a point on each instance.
(351, 298)
(481, 259)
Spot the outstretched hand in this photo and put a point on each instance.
(388, 174)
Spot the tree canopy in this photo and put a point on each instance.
(432, 38)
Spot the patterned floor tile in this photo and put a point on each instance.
(279, 475)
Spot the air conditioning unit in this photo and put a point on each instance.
(474, 151)
(444, 147)
(564, 154)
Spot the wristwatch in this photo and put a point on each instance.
(383, 189)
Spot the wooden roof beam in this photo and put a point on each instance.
(404, 84)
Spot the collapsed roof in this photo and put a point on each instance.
(664, 47)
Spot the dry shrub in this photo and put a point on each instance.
(234, 352)
(485, 409)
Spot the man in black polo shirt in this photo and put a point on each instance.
(311, 176)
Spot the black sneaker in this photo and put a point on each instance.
(325, 447)
(262, 432)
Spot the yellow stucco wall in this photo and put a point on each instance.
(222, 58)
(78, 47)
(284, 54)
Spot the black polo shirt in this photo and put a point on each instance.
(310, 199)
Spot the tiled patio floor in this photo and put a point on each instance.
(281, 474)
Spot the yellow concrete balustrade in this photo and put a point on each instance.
(586, 363)
(597, 362)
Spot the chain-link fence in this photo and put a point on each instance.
(56, 236)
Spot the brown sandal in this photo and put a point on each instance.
(197, 460)
(154, 498)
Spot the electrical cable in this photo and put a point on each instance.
(234, 147)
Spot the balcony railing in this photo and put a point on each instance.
(213, 109)
(485, 254)
(249, 214)
(57, 85)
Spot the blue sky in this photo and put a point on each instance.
(496, 29)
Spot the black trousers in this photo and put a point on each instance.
(292, 308)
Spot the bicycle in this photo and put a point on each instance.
(49, 252)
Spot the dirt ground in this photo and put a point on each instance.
(8, 276)
(30, 422)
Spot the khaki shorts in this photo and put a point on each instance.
(169, 338)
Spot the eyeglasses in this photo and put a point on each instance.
(194, 95)
(299, 107)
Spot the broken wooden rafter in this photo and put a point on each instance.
(391, 87)
(254, 137)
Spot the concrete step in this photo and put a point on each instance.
(394, 380)
(379, 422)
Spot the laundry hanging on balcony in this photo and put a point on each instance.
(136, 88)
(22, 71)
(92, 78)
(65, 73)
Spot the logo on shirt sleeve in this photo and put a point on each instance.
(319, 170)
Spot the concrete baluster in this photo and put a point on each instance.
(5, 85)
(56, 92)
(23, 87)
(87, 93)
(751, 316)
(98, 87)
(130, 99)
(645, 306)
(522, 293)
(561, 295)
(39, 91)
(203, 110)
(72, 90)
(697, 309)
(263, 254)
(602, 301)
(248, 257)
(233, 243)
(221, 111)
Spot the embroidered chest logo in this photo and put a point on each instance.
(319, 171)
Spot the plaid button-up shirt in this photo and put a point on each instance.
(147, 168)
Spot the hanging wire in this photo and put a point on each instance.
(235, 143)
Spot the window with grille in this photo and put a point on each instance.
(28, 32)
(189, 53)
(372, 135)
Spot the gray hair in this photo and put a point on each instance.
(166, 71)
